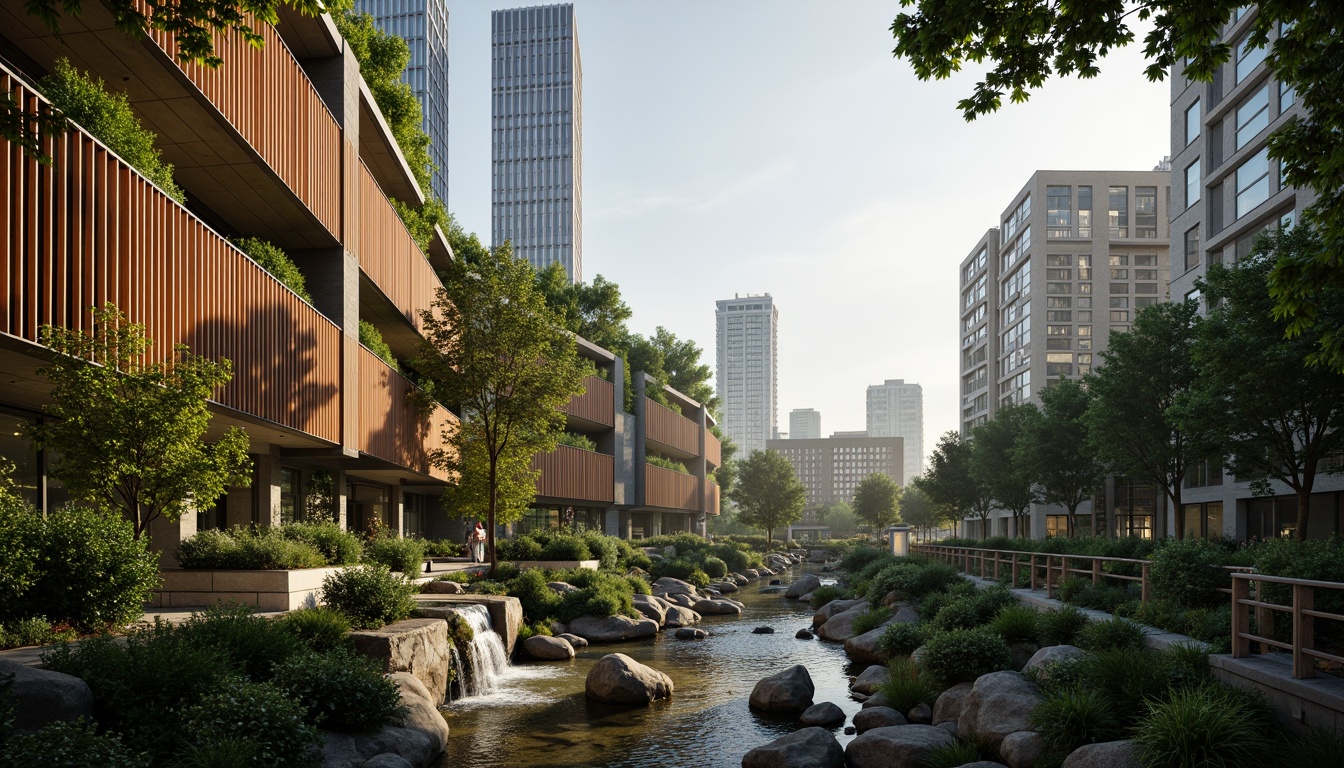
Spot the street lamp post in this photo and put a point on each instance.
(900, 539)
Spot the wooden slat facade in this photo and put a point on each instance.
(391, 426)
(671, 489)
(266, 96)
(711, 498)
(87, 229)
(388, 254)
(597, 404)
(713, 449)
(666, 426)
(573, 473)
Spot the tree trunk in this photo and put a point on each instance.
(1177, 513)
(1072, 510)
(1304, 499)
(490, 520)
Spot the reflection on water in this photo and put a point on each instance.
(538, 716)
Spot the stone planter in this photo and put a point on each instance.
(268, 590)
(558, 565)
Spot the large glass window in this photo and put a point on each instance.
(289, 496)
(1119, 211)
(1253, 182)
(1145, 212)
(1248, 57)
(1192, 185)
(1286, 96)
(16, 448)
(1085, 211)
(1252, 116)
(1192, 122)
(1059, 211)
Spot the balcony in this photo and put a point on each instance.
(391, 426)
(673, 432)
(713, 451)
(711, 498)
(388, 255)
(87, 229)
(670, 489)
(569, 473)
(596, 407)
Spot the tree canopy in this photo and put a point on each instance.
(919, 509)
(767, 493)
(877, 501)
(952, 484)
(994, 461)
(1056, 454)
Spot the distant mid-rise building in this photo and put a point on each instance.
(804, 424)
(537, 136)
(424, 26)
(746, 350)
(896, 409)
(831, 468)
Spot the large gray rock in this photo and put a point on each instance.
(666, 586)
(825, 612)
(719, 607)
(900, 746)
(443, 588)
(865, 648)
(823, 714)
(870, 679)
(840, 627)
(1109, 754)
(806, 748)
(877, 717)
(652, 608)
(619, 679)
(903, 613)
(947, 709)
(1042, 659)
(612, 629)
(42, 697)
(418, 742)
(807, 583)
(999, 703)
(920, 713)
(574, 641)
(417, 646)
(548, 648)
(678, 616)
(682, 599)
(787, 691)
(387, 760)
(876, 700)
(725, 587)
(691, 633)
(563, 587)
(1021, 749)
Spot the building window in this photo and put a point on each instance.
(1059, 274)
(1119, 288)
(1120, 274)
(1084, 211)
(1253, 182)
(1058, 288)
(1119, 316)
(1286, 96)
(1119, 211)
(1192, 122)
(1192, 185)
(1248, 57)
(1119, 302)
(1252, 116)
(1145, 212)
(1059, 211)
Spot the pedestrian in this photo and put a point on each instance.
(469, 540)
(478, 543)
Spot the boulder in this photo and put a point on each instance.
(808, 583)
(947, 709)
(752, 573)
(870, 679)
(775, 582)
(678, 616)
(763, 631)
(877, 717)
(652, 608)
(681, 599)
(806, 598)
(898, 746)
(999, 703)
(1108, 754)
(903, 613)
(612, 629)
(548, 648)
(574, 641)
(417, 646)
(787, 691)
(981, 764)
(825, 612)
(806, 748)
(559, 628)
(1021, 749)
(1042, 659)
(823, 714)
(865, 648)
(876, 700)
(724, 587)
(42, 697)
(949, 727)
(666, 585)
(840, 627)
(921, 713)
(418, 741)
(619, 679)
(717, 607)
(804, 634)
(691, 633)
(443, 588)
(563, 587)
(387, 760)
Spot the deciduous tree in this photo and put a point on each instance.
(994, 461)
(952, 484)
(919, 510)
(767, 493)
(877, 501)
(1057, 455)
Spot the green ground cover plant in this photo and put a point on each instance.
(370, 596)
(320, 629)
(962, 655)
(907, 686)
(826, 593)
(870, 619)
(901, 638)
(403, 555)
(340, 690)
(1206, 725)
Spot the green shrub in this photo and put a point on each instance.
(488, 587)
(1209, 625)
(901, 638)
(372, 339)
(70, 745)
(447, 548)
(223, 753)
(275, 261)
(681, 568)
(861, 557)
(574, 440)
(907, 686)
(959, 614)
(963, 655)
(34, 631)
(20, 545)
(1017, 624)
(738, 558)
(520, 548)
(1204, 726)
(1320, 748)
(263, 549)
(604, 549)
(989, 602)
(1061, 627)
(92, 571)
(639, 585)
(342, 691)
(403, 555)
(1190, 572)
(934, 602)
(870, 619)
(538, 600)
(826, 593)
(369, 595)
(912, 580)
(253, 644)
(1069, 718)
(715, 568)
(507, 571)
(953, 755)
(1128, 678)
(320, 629)
(659, 461)
(1111, 634)
(566, 548)
(260, 714)
(599, 594)
(336, 545)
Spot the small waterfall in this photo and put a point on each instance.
(488, 659)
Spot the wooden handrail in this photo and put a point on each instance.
(1302, 609)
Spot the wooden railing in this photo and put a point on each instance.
(671, 489)
(391, 426)
(88, 229)
(266, 96)
(389, 255)
(711, 498)
(597, 404)
(1247, 595)
(1049, 569)
(713, 449)
(573, 473)
(666, 426)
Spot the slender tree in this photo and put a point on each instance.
(1057, 454)
(767, 493)
(994, 461)
(919, 510)
(877, 501)
(950, 482)
(495, 350)
(129, 430)
(1274, 415)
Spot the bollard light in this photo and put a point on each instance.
(900, 540)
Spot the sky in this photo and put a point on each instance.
(778, 147)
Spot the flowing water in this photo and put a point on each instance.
(537, 716)
(488, 662)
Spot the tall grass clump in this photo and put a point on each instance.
(1111, 634)
(908, 686)
(1061, 627)
(1205, 726)
(953, 755)
(1069, 718)
(1016, 624)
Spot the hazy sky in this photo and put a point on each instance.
(735, 147)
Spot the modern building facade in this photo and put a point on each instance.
(804, 424)
(1227, 190)
(896, 409)
(423, 24)
(537, 136)
(746, 353)
(831, 468)
(1076, 255)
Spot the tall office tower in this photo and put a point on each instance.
(1076, 255)
(745, 355)
(537, 154)
(896, 409)
(424, 25)
(804, 424)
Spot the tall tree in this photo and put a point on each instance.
(1029, 41)
(1057, 455)
(1273, 415)
(951, 483)
(919, 509)
(877, 501)
(130, 431)
(494, 349)
(994, 448)
(593, 310)
(767, 493)
(1130, 422)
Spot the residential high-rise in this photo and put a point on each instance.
(831, 468)
(804, 424)
(745, 355)
(896, 409)
(424, 26)
(1076, 255)
(537, 141)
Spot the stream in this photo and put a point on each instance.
(537, 715)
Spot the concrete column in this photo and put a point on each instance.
(396, 510)
(341, 491)
(238, 507)
(266, 490)
(165, 535)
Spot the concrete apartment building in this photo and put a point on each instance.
(804, 424)
(537, 136)
(1075, 255)
(745, 354)
(424, 26)
(831, 468)
(1226, 190)
(896, 409)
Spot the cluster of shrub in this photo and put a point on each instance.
(225, 688)
(299, 545)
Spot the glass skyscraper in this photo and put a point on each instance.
(537, 137)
